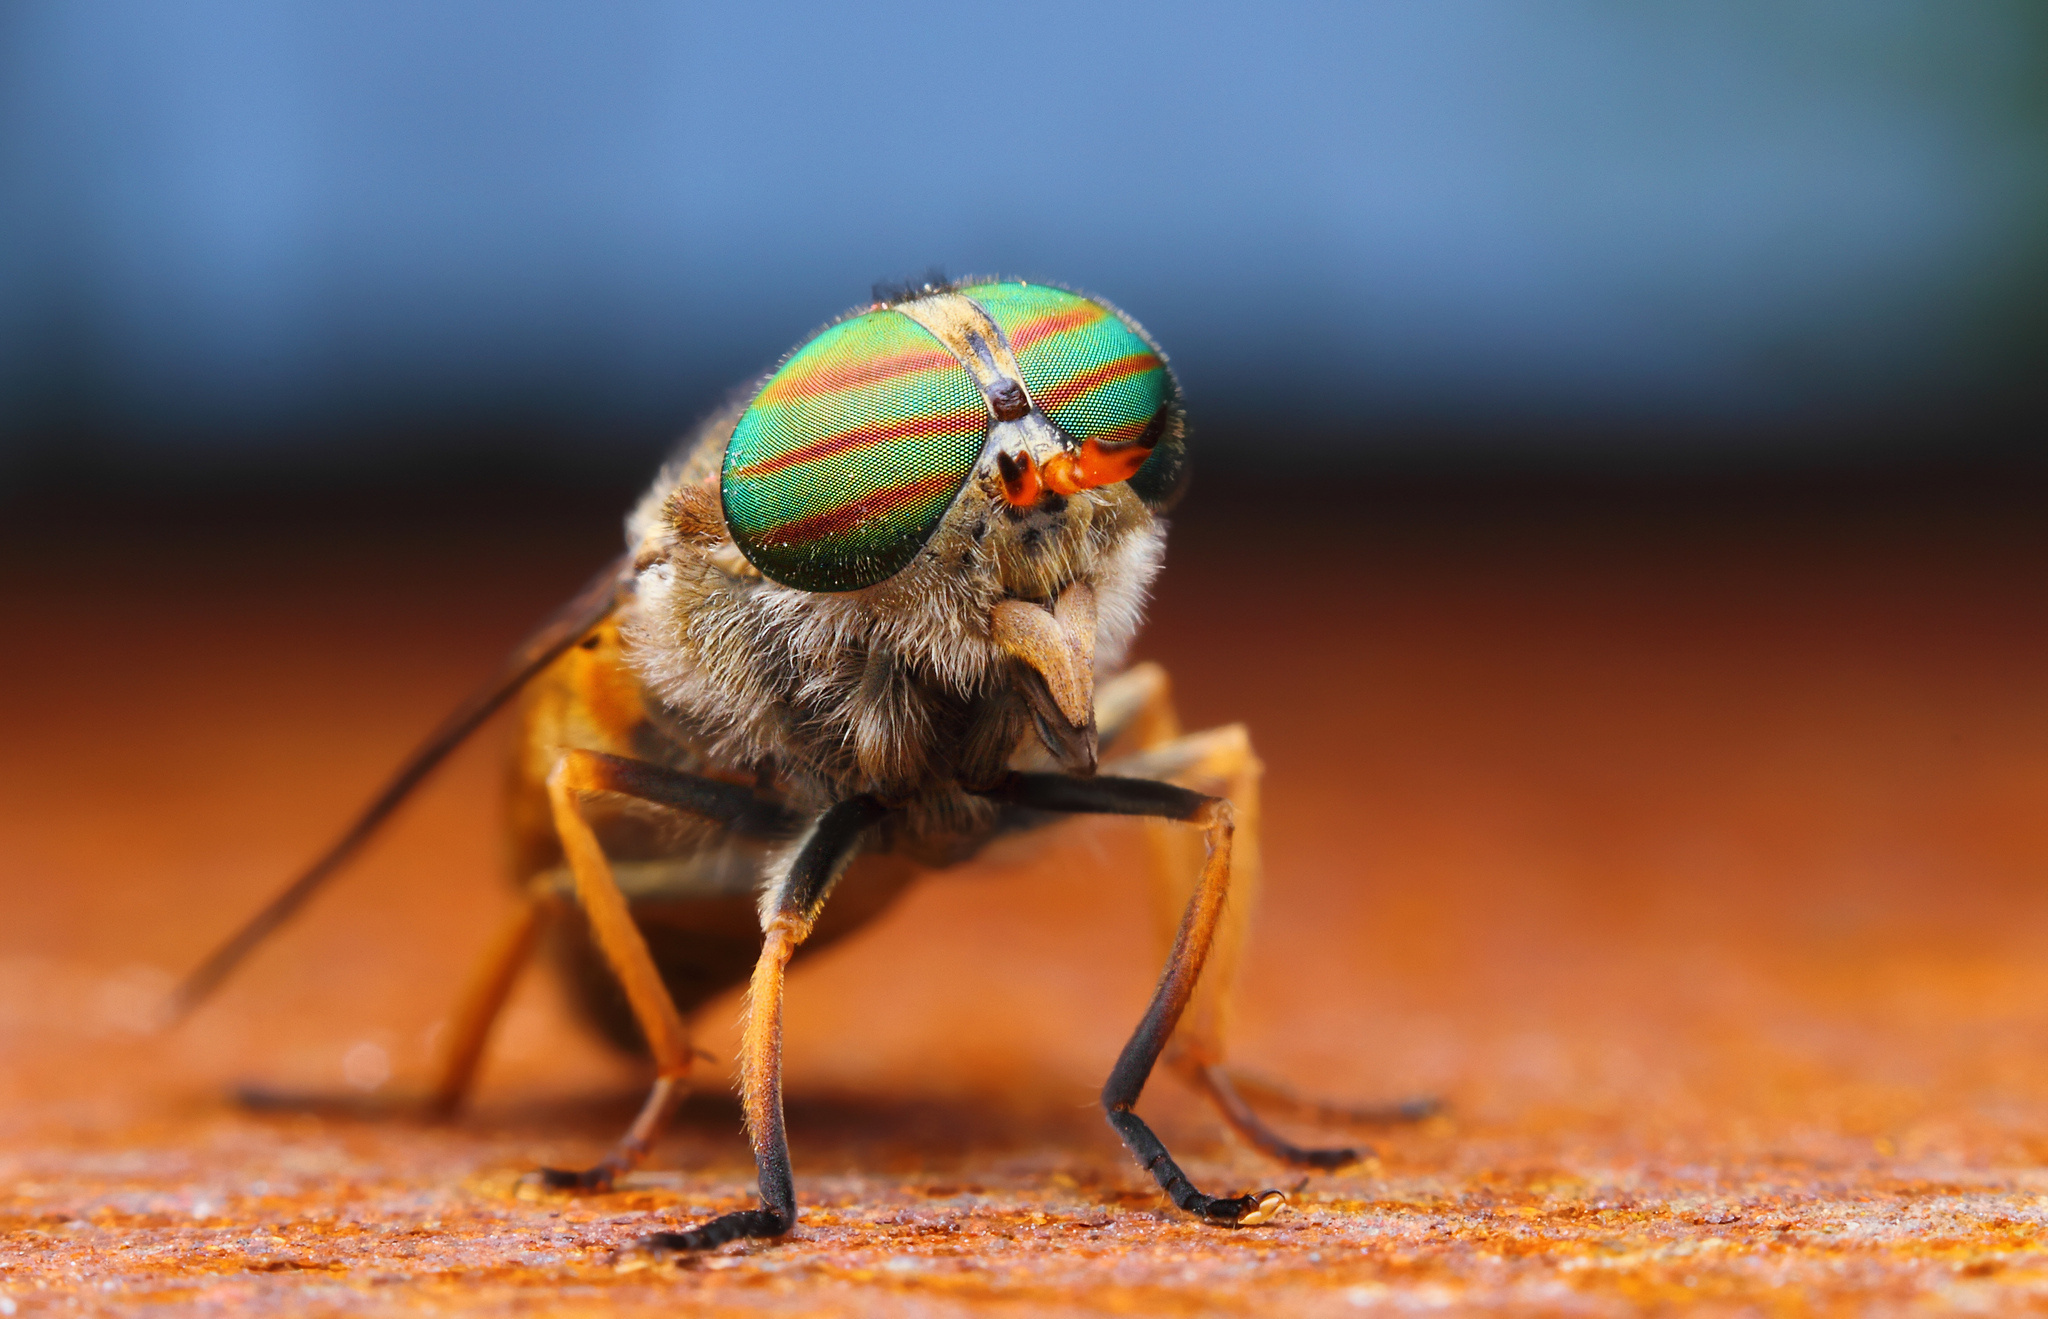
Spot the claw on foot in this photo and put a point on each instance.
(1268, 1204)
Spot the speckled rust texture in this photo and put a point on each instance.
(1698, 861)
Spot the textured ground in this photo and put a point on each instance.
(1695, 858)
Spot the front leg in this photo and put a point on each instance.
(1144, 740)
(1213, 815)
(789, 908)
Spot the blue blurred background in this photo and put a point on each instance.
(262, 239)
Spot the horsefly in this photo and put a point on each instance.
(870, 619)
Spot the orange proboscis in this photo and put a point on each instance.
(1069, 471)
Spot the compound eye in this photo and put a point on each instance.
(844, 464)
(1092, 372)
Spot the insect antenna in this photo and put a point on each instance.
(585, 610)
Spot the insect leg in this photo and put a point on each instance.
(1109, 795)
(1272, 1094)
(788, 910)
(576, 775)
(1221, 759)
(1134, 712)
(482, 1000)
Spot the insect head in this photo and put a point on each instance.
(845, 462)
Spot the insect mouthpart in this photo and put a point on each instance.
(1055, 650)
(1071, 470)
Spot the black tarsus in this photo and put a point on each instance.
(1225, 1211)
(817, 867)
(1111, 795)
(653, 1118)
(585, 610)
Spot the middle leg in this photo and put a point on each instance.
(577, 775)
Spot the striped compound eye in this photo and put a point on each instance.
(844, 465)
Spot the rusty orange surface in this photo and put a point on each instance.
(1698, 861)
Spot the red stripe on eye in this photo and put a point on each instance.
(1123, 434)
(834, 376)
(862, 437)
(848, 516)
(1030, 332)
(1074, 386)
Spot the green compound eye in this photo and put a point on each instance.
(1089, 371)
(842, 467)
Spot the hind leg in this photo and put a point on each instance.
(483, 999)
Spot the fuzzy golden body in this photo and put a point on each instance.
(865, 624)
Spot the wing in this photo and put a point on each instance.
(589, 607)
